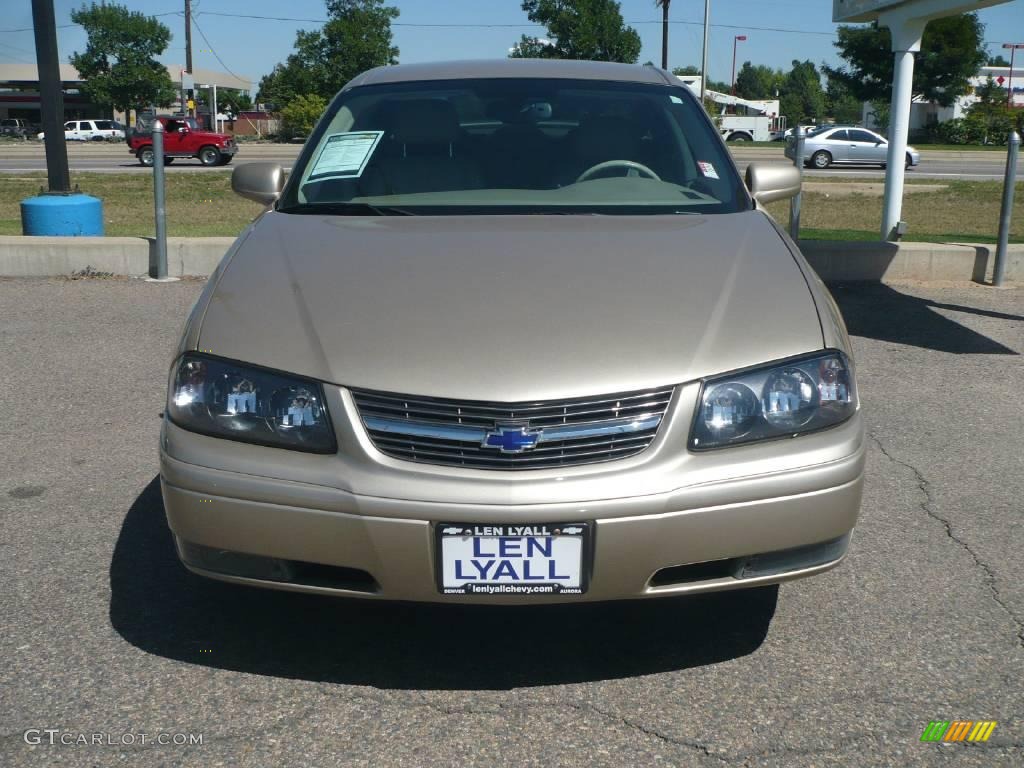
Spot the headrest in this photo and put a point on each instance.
(608, 136)
(425, 121)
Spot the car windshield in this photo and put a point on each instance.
(514, 146)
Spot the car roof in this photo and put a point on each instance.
(498, 68)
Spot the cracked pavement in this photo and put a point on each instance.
(105, 633)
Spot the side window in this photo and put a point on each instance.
(838, 135)
(70, 126)
(103, 125)
(862, 136)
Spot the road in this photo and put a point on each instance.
(111, 158)
(104, 633)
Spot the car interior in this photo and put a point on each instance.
(462, 141)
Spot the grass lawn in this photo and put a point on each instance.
(199, 204)
(202, 204)
(962, 211)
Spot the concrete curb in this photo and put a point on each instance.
(834, 261)
(841, 261)
(131, 256)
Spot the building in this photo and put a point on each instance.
(19, 90)
(925, 113)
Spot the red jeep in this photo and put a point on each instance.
(183, 138)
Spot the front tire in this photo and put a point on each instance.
(739, 136)
(146, 156)
(821, 159)
(168, 160)
(225, 159)
(209, 156)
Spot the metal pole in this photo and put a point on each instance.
(51, 97)
(216, 127)
(1012, 150)
(704, 52)
(664, 33)
(1010, 83)
(796, 200)
(188, 49)
(159, 200)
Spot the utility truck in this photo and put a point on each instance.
(742, 119)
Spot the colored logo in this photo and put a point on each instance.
(511, 438)
(958, 730)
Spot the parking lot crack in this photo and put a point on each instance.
(651, 732)
(928, 507)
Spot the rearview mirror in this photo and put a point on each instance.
(769, 182)
(261, 182)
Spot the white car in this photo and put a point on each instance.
(91, 130)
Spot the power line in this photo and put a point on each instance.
(215, 54)
(68, 26)
(454, 25)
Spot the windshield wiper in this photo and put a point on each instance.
(346, 209)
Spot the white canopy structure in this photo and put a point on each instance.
(906, 20)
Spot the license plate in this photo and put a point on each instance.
(488, 559)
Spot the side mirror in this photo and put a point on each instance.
(261, 182)
(769, 182)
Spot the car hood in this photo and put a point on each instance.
(510, 308)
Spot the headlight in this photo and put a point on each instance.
(225, 399)
(782, 400)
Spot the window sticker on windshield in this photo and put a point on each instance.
(707, 169)
(346, 154)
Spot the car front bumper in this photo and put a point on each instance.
(751, 528)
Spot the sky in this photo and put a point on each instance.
(250, 47)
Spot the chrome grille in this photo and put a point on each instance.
(566, 432)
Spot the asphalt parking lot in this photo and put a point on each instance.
(104, 633)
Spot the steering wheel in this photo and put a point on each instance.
(633, 169)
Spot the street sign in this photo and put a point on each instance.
(188, 82)
(1000, 79)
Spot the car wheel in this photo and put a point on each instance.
(821, 159)
(168, 160)
(95, 138)
(225, 159)
(147, 156)
(738, 136)
(209, 156)
(908, 163)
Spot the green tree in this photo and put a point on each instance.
(801, 97)
(952, 51)
(758, 82)
(118, 66)
(841, 105)
(579, 29)
(989, 117)
(998, 61)
(355, 38)
(233, 101)
(301, 114)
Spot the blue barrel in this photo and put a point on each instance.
(66, 215)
